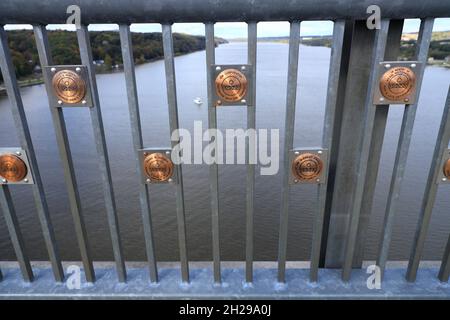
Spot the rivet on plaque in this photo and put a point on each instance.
(398, 84)
(69, 86)
(231, 85)
(307, 167)
(158, 167)
(12, 168)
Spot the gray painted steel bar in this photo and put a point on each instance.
(444, 271)
(401, 156)
(251, 124)
(167, 11)
(376, 146)
(174, 125)
(213, 168)
(45, 58)
(442, 141)
(136, 131)
(333, 152)
(332, 95)
(369, 116)
(15, 234)
(291, 96)
(23, 133)
(100, 142)
(358, 47)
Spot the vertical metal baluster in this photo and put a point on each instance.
(332, 93)
(133, 105)
(102, 150)
(14, 232)
(430, 194)
(213, 168)
(26, 143)
(43, 49)
(251, 124)
(401, 156)
(376, 145)
(444, 271)
(174, 125)
(291, 96)
(1, 275)
(369, 116)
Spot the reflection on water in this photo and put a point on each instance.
(191, 83)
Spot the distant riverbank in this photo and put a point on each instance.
(100, 69)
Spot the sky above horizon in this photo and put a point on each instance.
(232, 30)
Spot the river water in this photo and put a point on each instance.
(191, 83)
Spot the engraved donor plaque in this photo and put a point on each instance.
(447, 169)
(12, 168)
(231, 85)
(398, 84)
(307, 167)
(69, 86)
(158, 167)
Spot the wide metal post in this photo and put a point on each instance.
(346, 150)
(331, 104)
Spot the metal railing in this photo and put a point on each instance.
(354, 47)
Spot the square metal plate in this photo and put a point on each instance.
(232, 85)
(22, 155)
(442, 178)
(397, 82)
(68, 89)
(166, 153)
(311, 164)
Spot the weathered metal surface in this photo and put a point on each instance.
(346, 150)
(213, 168)
(62, 139)
(136, 131)
(233, 85)
(265, 285)
(397, 83)
(308, 166)
(166, 11)
(69, 84)
(14, 167)
(291, 98)
(157, 166)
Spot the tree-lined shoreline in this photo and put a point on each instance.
(106, 50)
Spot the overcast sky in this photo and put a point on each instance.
(238, 29)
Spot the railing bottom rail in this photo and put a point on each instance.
(265, 285)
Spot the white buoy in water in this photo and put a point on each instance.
(198, 101)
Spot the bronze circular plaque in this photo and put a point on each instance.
(158, 167)
(69, 87)
(231, 85)
(12, 168)
(447, 169)
(397, 83)
(307, 166)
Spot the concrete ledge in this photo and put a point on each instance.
(265, 286)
